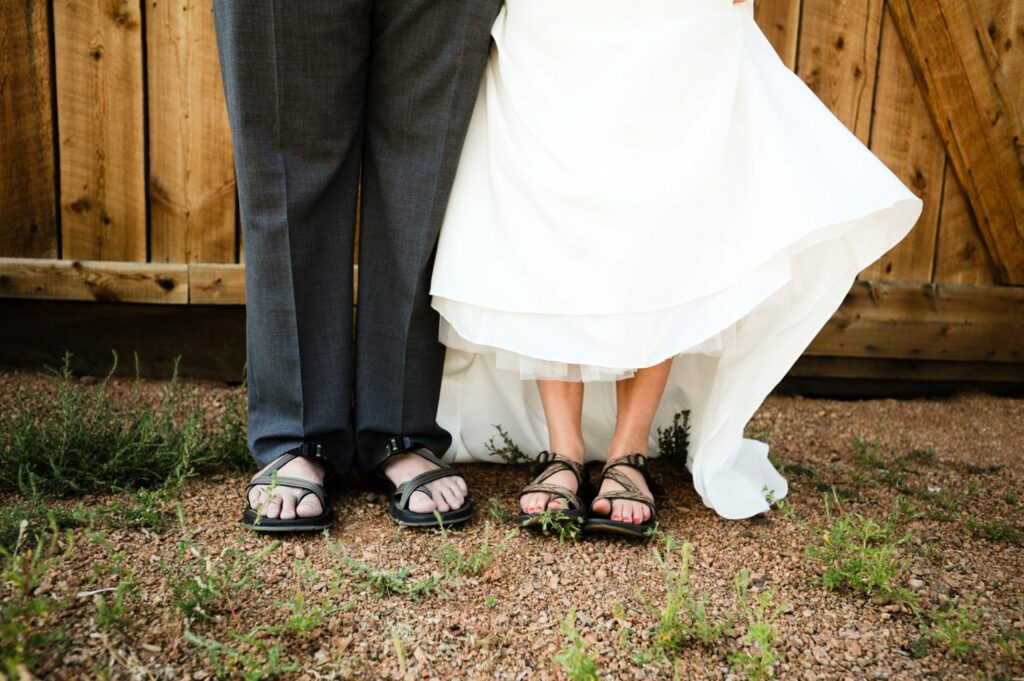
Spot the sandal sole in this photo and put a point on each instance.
(276, 525)
(404, 518)
(622, 529)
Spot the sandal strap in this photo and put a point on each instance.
(308, 486)
(630, 491)
(404, 492)
(548, 464)
(556, 491)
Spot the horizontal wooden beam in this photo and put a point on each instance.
(926, 321)
(96, 280)
(216, 284)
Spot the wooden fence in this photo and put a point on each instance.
(117, 176)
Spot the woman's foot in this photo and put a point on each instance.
(280, 502)
(623, 509)
(446, 494)
(535, 502)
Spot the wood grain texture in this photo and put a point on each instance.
(780, 22)
(98, 52)
(192, 179)
(28, 202)
(108, 280)
(926, 321)
(967, 94)
(210, 284)
(904, 138)
(838, 57)
(960, 256)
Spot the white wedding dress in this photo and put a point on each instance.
(644, 180)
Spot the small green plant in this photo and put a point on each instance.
(26, 629)
(860, 554)
(458, 562)
(202, 584)
(252, 658)
(558, 522)
(684, 617)
(758, 654)
(380, 582)
(575, 658)
(998, 530)
(112, 603)
(82, 442)
(954, 627)
(674, 441)
(496, 511)
(508, 451)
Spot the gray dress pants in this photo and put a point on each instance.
(319, 92)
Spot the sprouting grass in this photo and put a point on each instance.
(684, 618)
(860, 554)
(758, 655)
(26, 627)
(953, 627)
(998, 530)
(458, 562)
(112, 603)
(576, 659)
(202, 585)
(508, 451)
(674, 441)
(497, 511)
(81, 442)
(555, 521)
(380, 582)
(251, 657)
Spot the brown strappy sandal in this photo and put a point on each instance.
(546, 465)
(629, 492)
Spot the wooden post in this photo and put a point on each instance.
(958, 70)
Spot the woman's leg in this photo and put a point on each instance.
(638, 398)
(563, 410)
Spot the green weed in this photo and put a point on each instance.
(458, 562)
(674, 441)
(758, 654)
(252, 658)
(26, 628)
(508, 451)
(575, 658)
(860, 554)
(81, 442)
(953, 627)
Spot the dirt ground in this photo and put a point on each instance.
(503, 620)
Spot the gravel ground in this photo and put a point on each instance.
(503, 622)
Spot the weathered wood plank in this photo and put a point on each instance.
(111, 281)
(926, 321)
(906, 369)
(904, 138)
(838, 57)
(98, 52)
(780, 22)
(961, 256)
(192, 180)
(210, 284)
(957, 68)
(28, 202)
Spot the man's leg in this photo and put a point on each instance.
(294, 78)
(427, 59)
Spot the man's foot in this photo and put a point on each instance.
(446, 494)
(622, 509)
(280, 503)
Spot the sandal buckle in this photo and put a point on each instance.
(312, 450)
(399, 444)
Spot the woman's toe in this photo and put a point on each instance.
(555, 504)
(601, 507)
(647, 514)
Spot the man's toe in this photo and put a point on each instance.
(272, 509)
(309, 507)
(287, 507)
(421, 503)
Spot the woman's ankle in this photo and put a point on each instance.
(568, 447)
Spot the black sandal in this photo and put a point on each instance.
(398, 506)
(254, 520)
(629, 492)
(546, 465)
